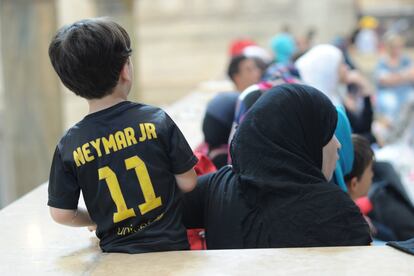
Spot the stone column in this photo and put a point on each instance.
(32, 100)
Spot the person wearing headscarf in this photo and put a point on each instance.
(323, 67)
(277, 192)
(357, 99)
(283, 46)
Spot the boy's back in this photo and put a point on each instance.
(129, 160)
(120, 158)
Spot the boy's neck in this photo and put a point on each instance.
(112, 99)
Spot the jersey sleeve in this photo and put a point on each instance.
(180, 153)
(63, 189)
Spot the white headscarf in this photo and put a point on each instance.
(258, 52)
(319, 67)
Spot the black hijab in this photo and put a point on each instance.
(277, 158)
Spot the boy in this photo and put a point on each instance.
(243, 72)
(359, 180)
(126, 158)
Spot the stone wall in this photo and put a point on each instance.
(184, 42)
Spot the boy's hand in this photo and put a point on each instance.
(77, 217)
(358, 79)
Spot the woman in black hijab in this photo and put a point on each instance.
(277, 192)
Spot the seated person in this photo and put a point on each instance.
(359, 180)
(283, 46)
(394, 79)
(129, 160)
(324, 68)
(354, 174)
(277, 192)
(358, 105)
(243, 71)
(217, 124)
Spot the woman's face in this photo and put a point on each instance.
(329, 157)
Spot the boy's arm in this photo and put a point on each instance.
(76, 218)
(181, 157)
(186, 181)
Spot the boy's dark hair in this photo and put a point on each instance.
(363, 156)
(89, 55)
(234, 65)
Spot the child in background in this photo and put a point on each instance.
(359, 180)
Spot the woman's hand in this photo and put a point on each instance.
(355, 77)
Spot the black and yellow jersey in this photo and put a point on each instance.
(124, 159)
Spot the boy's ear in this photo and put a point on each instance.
(236, 78)
(126, 72)
(352, 184)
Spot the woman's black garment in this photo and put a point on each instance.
(220, 160)
(276, 194)
(277, 157)
(216, 205)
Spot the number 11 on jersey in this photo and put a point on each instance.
(151, 200)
